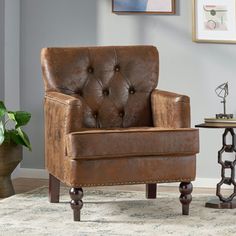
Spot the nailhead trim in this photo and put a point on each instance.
(136, 182)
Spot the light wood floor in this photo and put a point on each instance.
(22, 185)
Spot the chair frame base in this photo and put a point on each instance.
(76, 195)
(185, 198)
(151, 191)
(76, 202)
(54, 189)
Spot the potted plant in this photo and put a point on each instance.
(12, 138)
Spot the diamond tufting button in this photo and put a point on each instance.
(80, 93)
(90, 69)
(117, 68)
(105, 92)
(131, 90)
(95, 115)
(121, 114)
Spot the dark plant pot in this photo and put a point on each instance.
(10, 157)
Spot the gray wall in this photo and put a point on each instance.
(2, 49)
(12, 54)
(47, 23)
(9, 53)
(185, 66)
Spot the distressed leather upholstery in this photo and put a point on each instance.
(114, 90)
(130, 142)
(107, 124)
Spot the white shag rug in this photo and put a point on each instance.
(110, 212)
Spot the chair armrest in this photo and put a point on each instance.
(170, 110)
(66, 109)
(63, 98)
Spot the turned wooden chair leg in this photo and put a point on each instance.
(151, 191)
(54, 189)
(76, 203)
(185, 198)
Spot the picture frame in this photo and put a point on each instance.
(144, 7)
(214, 21)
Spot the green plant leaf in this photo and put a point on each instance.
(1, 133)
(3, 109)
(20, 117)
(19, 137)
(25, 138)
(15, 137)
(11, 115)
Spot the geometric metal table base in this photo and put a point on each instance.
(216, 203)
(230, 165)
(224, 202)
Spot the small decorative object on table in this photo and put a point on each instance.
(222, 91)
(11, 142)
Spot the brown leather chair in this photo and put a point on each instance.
(106, 124)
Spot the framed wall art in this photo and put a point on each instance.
(214, 21)
(144, 6)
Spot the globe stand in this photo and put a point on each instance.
(224, 115)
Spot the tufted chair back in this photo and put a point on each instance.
(114, 84)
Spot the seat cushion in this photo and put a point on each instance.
(131, 142)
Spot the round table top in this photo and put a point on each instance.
(216, 125)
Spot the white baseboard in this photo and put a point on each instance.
(43, 174)
(199, 183)
(206, 183)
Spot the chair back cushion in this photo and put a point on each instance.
(114, 83)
